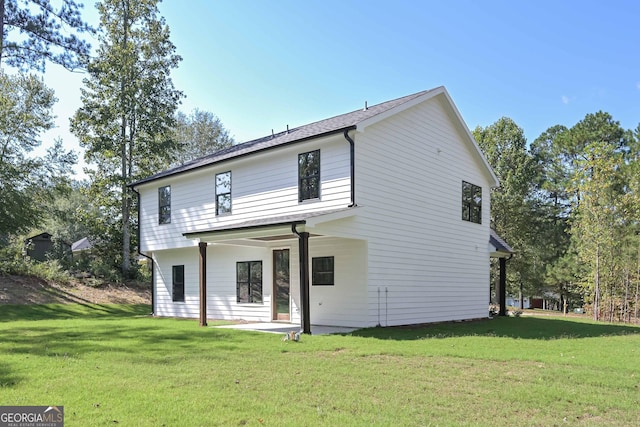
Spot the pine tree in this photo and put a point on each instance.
(129, 103)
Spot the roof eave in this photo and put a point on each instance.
(249, 153)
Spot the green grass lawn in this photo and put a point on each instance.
(114, 365)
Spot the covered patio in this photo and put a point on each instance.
(265, 233)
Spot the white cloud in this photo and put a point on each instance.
(638, 85)
(565, 99)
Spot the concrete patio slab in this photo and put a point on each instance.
(283, 328)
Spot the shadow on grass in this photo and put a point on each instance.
(10, 313)
(511, 327)
(108, 334)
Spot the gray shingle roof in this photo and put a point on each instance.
(323, 127)
(300, 218)
(498, 242)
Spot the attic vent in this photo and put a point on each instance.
(366, 107)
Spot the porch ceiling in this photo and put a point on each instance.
(268, 229)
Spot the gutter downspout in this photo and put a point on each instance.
(303, 245)
(153, 267)
(352, 152)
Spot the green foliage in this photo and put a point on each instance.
(127, 118)
(598, 147)
(199, 134)
(512, 210)
(13, 261)
(34, 31)
(27, 183)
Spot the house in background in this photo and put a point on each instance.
(375, 217)
(81, 246)
(38, 247)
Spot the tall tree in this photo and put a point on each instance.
(552, 209)
(25, 113)
(34, 31)
(129, 102)
(596, 148)
(505, 148)
(199, 134)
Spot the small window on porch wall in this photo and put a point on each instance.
(322, 271)
(178, 283)
(249, 282)
(223, 193)
(309, 175)
(471, 202)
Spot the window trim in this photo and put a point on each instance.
(164, 217)
(217, 195)
(249, 283)
(471, 209)
(315, 176)
(175, 283)
(315, 281)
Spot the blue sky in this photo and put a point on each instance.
(262, 65)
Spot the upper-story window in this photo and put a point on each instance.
(309, 175)
(471, 202)
(164, 205)
(223, 193)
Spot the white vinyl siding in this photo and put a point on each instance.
(344, 303)
(264, 185)
(425, 264)
(404, 256)
(163, 275)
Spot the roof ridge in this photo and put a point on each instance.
(318, 128)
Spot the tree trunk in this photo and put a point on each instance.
(635, 317)
(626, 314)
(596, 290)
(521, 297)
(1, 28)
(126, 231)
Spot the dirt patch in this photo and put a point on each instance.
(32, 290)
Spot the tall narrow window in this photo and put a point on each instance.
(178, 283)
(223, 193)
(249, 282)
(309, 175)
(164, 205)
(471, 202)
(322, 271)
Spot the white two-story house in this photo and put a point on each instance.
(375, 217)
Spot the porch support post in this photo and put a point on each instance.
(202, 246)
(303, 240)
(502, 284)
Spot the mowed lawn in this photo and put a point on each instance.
(115, 365)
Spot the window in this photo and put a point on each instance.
(164, 205)
(471, 202)
(249, 281)
(322, 271)
(223, 193)
(178, 283)
(309, 175)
